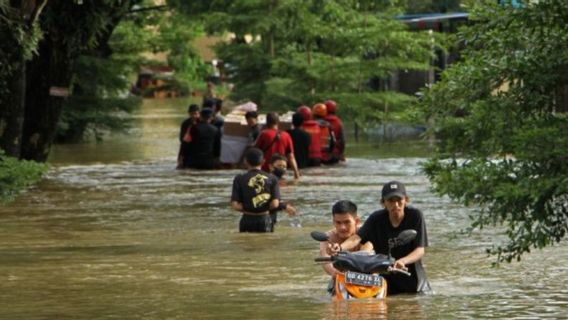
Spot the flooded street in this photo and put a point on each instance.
(115, 232)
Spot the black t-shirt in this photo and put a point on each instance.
(205, 143)
(378, 229)
(255, 190)
(301, 140)
(185, 147)
(218, 121)
(253, 134)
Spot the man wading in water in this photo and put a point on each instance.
(254, 194)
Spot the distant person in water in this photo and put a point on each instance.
(338, 152)
(272, 140)
(254, 194)
(278, 166)
(205, 145)
(185, 136)
(209, 93)
(251, 118)
(301, 140)
(218, 119)
(327, 136)
(312, 128)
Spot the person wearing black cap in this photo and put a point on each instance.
(381, 229)
(254, 194)
(185, 136)
(205, 145)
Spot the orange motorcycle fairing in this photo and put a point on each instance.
(345, 290)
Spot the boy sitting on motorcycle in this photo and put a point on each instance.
(346, 223)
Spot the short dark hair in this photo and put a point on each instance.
(272, 119)
(254, 156)
(277, 156)
(297, 119)
(251, 114)
(206, 113)
(344, 206)
(208, 103)
(193, 108)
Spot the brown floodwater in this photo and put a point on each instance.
(114, 232)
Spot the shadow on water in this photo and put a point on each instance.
(115, 232)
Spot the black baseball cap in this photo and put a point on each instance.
(393, 189)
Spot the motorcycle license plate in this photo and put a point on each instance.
(363, 279)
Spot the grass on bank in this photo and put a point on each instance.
(17, 175)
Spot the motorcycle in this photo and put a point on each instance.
(361, 271)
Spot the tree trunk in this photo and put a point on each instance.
(12, 110)
(12, 104)
(51, 68)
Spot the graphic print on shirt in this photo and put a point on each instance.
(395, 242)
(257, 182)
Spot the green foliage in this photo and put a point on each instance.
(175, 33)
(16, 175)
(502, 125)
(288, 53)
(253, 67)
(85, 117)
(433, 6)
(103, 75)
(18, 40)
(98, 102)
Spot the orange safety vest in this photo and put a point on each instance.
(327, 139)
(313, 128)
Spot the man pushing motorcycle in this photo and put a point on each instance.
(382, 228)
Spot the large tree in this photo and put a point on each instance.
(502, 123)
(63, 71)
(34, 85)
(70, 29)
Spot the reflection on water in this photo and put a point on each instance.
(115, 232)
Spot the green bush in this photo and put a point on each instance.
(16, 175)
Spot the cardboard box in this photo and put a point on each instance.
(236, 125)
(235, 129)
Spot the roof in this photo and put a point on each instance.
(433, 21)
(417, 17)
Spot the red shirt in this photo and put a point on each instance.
(313, 128)
(267, 143)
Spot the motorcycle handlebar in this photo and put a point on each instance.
(323, 259)
(406, 273)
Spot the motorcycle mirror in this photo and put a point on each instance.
(406, 236)
(319, 236)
